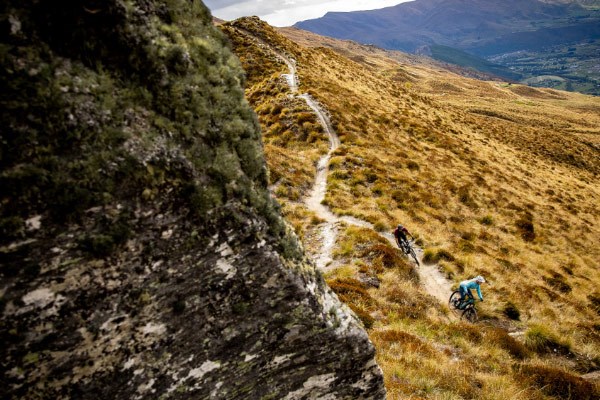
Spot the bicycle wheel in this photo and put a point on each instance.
(470, 314)
(454, 300)
(404, 247)
(414, 255)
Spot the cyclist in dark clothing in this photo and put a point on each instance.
(400, 234)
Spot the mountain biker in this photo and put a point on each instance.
(468, 285)
(400, 234)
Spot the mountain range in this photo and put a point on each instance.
(480, 28)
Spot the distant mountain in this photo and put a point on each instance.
(474, 25)
(484, 28)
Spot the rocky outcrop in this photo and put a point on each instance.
(141, 255)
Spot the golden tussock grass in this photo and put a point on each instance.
(494, 179)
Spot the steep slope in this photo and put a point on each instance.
(494, 179)
(141, 254)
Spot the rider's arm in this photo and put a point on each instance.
(479, 292)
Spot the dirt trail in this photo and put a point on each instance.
(431, 278)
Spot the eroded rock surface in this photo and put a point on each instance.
(141, 255)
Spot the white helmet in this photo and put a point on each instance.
(479, 279)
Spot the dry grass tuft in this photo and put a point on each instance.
(542, 340)
(558, 383)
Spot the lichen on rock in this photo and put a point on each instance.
(141, 255)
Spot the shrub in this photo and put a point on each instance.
(405, 339)
(557, 281)
(525, 227)
(350, 290)
(407, 304)
(465, 197)
(557, 382)
(540, 339)
(380, 226)
(363, 315)
(501, 338)
(413, 166)
(486, 220)
(511, 311)
(432, 256)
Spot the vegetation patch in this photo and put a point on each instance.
(594, 299)
(525, 227)
(511, 311)
(557, 281)
(557, 382)
(433, 256)
(541, 340)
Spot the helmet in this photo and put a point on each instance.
(399, 227)
(479, 279)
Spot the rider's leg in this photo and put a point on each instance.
(471, 299)
(463, 292)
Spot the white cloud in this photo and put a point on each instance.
(288, 12)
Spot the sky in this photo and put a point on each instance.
(288, 12)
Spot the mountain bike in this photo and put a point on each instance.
(407, 248)
(467, 306)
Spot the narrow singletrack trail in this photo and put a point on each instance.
(431, 278)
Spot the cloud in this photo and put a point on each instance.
(288, 12)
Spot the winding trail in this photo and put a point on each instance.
(431, 278)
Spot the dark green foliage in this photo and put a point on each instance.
(111, 234)
(558, 383)
(511, 311)
(12, 227)
(77, 84)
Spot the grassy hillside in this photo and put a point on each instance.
(494, 179)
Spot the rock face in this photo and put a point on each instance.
(141, 256)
